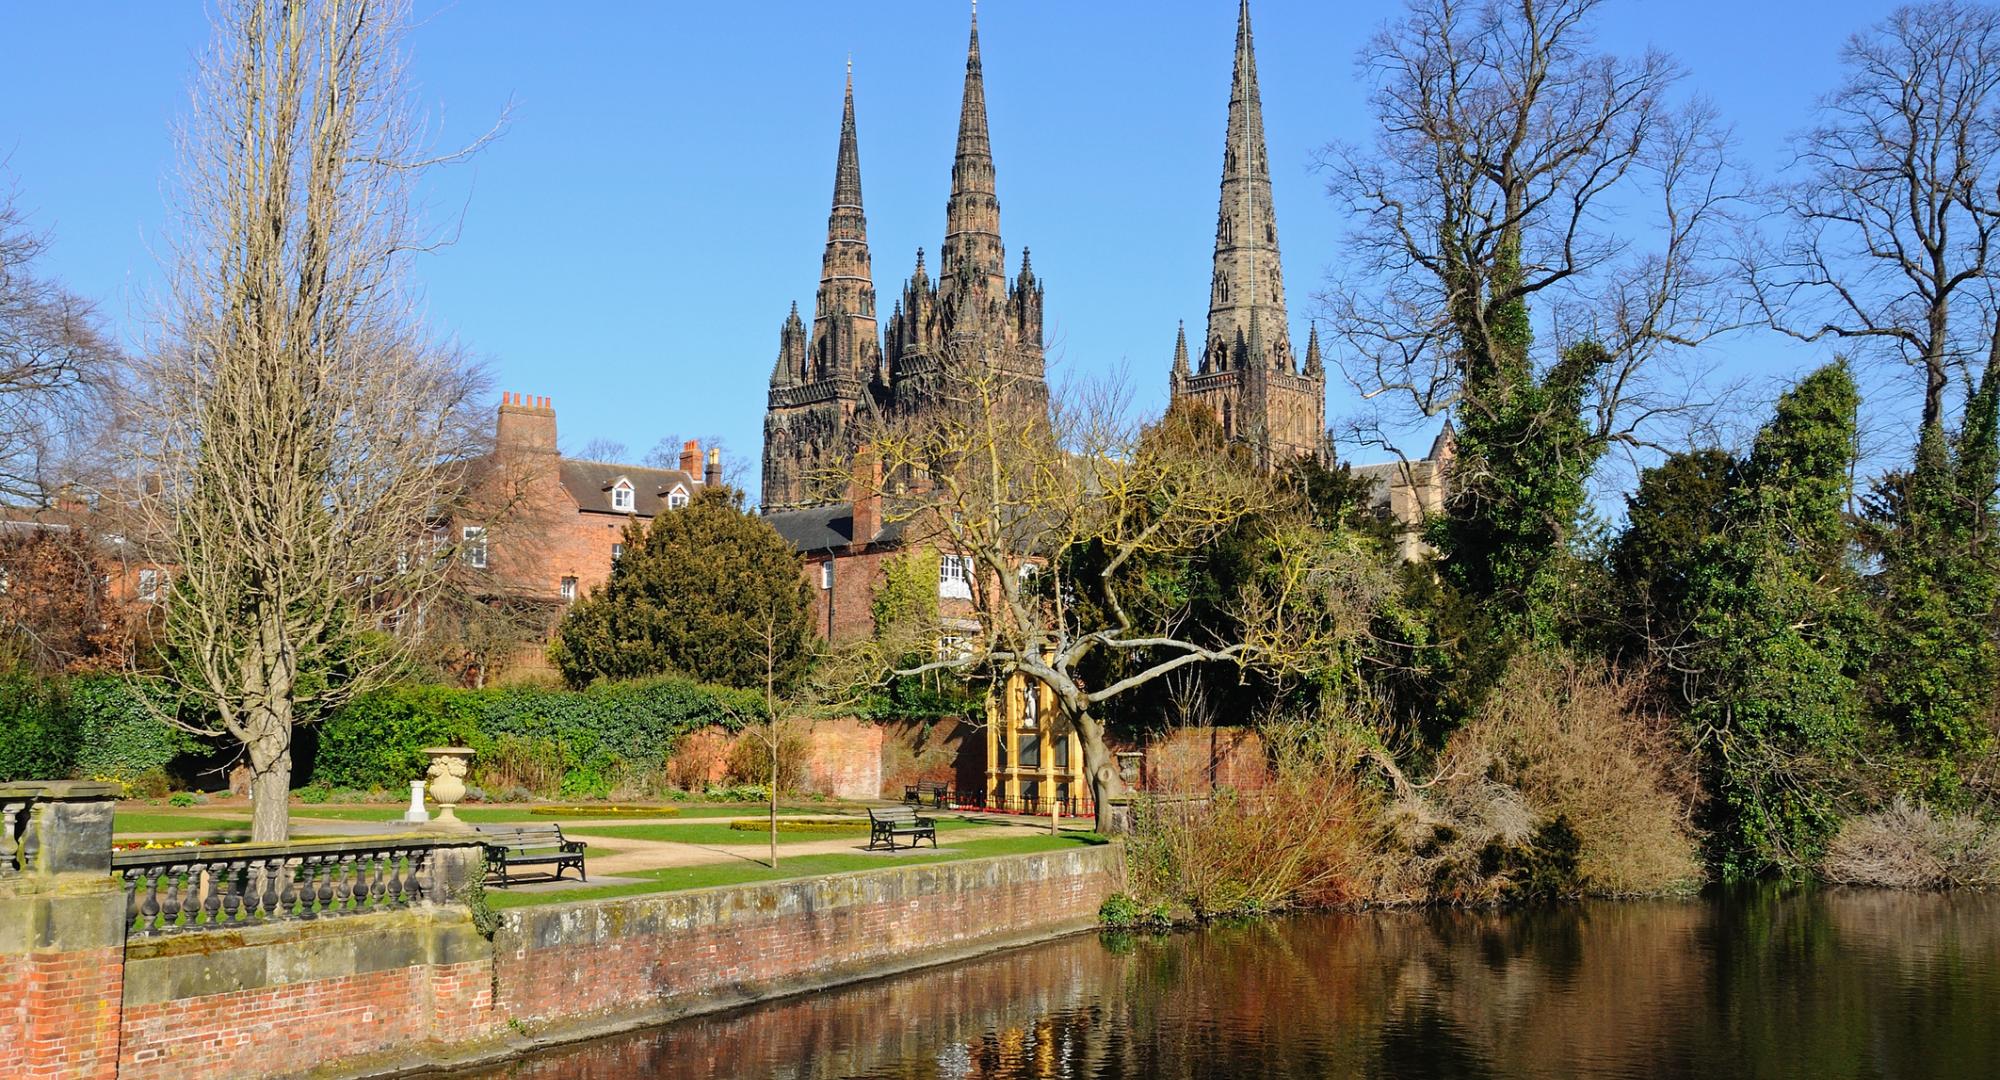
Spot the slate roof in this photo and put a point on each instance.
(589, 483)
(820, 528)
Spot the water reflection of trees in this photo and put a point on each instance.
(1776, 983)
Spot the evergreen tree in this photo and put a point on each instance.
(1775, 612)
(696, 594)
(1935, 676)
(1680, 504)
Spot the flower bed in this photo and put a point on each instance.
(829, 826)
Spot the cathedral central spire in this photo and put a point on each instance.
(1247, 374)
(1247, 295)
(972, 262)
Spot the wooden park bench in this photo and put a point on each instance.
(508, 846)
(934, 792)
(885, 825)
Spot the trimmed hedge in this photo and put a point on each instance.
(593, 739)
(94, 725)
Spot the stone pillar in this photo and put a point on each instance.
(62, 932)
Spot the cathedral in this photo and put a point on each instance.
(849, 369)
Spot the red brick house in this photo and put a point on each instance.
(553, 525)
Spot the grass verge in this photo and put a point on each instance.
(677, 878)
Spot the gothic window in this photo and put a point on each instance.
(569, 590)
(1228, 420)
(1228, 230)
(621, 496)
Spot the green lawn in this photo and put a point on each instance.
(676, 878)
(122, 822)
(387, 812)
(723, 834)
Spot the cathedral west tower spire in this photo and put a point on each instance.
(1248, 374)
(972, 314)
(820, 386)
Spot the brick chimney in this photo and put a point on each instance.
(714, 476)
(691, 459)
(526, 425)
(864, 493)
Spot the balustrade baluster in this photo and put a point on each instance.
(345, 873)
(230, 879)
(324, 875)
(253, 890)
(211, 896)
(291, 896)
(149, 909)
(378, 887)
(170, 908)
(272, 868)
(10, 845)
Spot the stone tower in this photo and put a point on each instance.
(1248, 374)
(821, 386)
(971, 313)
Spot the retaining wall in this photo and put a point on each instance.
(377, 993)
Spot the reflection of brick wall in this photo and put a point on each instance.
(844, 759)
(1202, 758)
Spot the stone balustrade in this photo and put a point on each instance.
(179, 889)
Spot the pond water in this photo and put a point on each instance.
(1757, 983)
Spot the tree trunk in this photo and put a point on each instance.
(774, 796)
(1099, 768)
(271, 786)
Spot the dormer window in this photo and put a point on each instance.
(621, 495)
(677, 498)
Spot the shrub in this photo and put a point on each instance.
(580, 744)
(1299, 841)
(1906, 846)
(181, 798)
(120, 734)
(701, 757)
(38, 741)
(314, 794)
(750, 759)
(1562, 771)
(1123, 911)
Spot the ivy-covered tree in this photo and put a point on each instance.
(1777, 618)
(696, 594)
(1934, 679)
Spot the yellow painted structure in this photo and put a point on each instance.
(1033, 758)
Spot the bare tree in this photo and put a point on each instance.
(1518, 167)
(1058, 518)
(603, 449)
(304, 433)
(1892, 219)
(55, 365)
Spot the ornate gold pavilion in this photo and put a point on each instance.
(1033, 757)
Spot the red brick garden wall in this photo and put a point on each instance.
(63, 1010)
(650, 958)
(385, 992)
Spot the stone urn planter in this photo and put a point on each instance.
(447, 773)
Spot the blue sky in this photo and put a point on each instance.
(633, 243)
